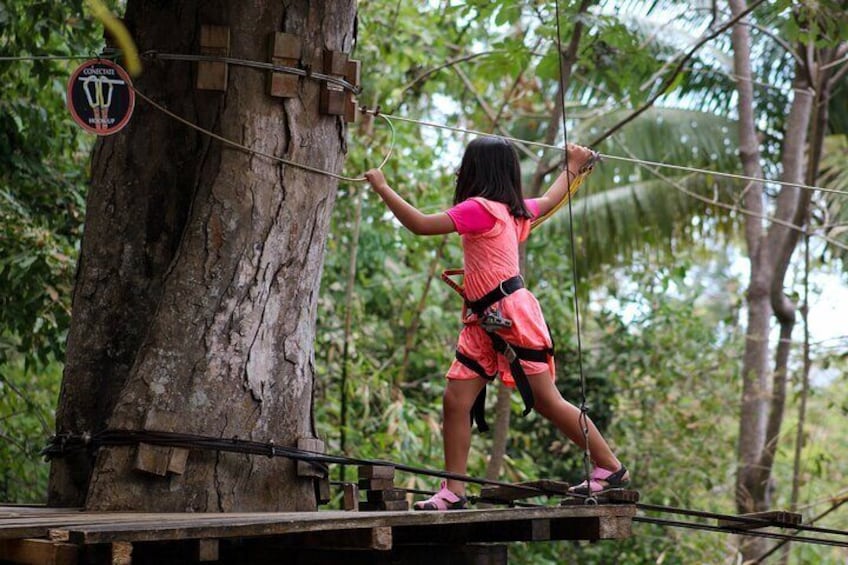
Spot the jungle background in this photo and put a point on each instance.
(660, 271)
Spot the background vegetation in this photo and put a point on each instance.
(660, 276)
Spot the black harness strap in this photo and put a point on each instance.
(478, 411)
(518, 374)
(514, 354)
(497, 294)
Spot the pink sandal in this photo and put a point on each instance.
(442, 500)
(601, 480)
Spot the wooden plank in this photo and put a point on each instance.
(48, 525)
(376, 484)
(15, 510)
(389, 495)
(38, 552)
(41, 526)
(773, 517)
(371, 506)
(251, 525)
(375, 472)
(531, 489)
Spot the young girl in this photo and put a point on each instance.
(492, 217)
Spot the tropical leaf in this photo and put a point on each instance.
(625, 206)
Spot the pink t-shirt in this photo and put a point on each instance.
(469, 216)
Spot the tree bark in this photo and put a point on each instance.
(194, 309)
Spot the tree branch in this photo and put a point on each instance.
(450, 63)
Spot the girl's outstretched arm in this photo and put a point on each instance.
(411, 217)
(577, 156)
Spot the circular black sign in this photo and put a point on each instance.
(100, 97)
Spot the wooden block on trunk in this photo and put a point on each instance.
(335, 62)
(304, 468)
(212, 75)
(153, 459)
(351, 497)
(353, 71)
(387, 505)
(375, 472)
(351, 114)
(286, 49)
(389, 495)
(333, 100)
(376, 484)
(177, 460)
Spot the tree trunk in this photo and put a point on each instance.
(755, 361)
(770, 253)
(194, 309)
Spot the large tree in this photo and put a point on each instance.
(194, 306)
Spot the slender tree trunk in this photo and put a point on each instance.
(194, 309)
(755, 360)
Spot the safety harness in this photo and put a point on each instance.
(489, 318)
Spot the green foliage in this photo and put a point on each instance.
(26, 420)
(43, 158)
(42, 173)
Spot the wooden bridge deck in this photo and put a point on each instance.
(30, 534)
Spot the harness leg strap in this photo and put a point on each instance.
(478, 410)
(518, 374)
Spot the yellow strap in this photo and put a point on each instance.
(575, 184)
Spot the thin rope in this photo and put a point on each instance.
(251, 151)
(583, 419)
(605, 155)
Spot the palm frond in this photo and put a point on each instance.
(626, 207)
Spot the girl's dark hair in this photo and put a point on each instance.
(490, 169)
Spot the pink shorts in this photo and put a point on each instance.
(528, 330)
